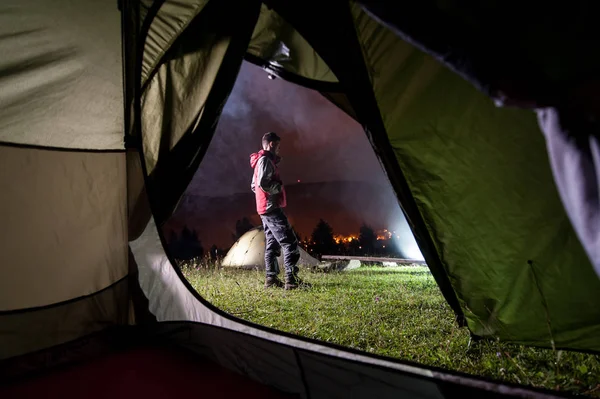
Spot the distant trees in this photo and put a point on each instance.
(304, 242)
(353, 248)
(242, 226)
(186, 246)
(322, 239)
(367, 239)
(215, 253)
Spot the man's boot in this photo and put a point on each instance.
(273, 281)
(293, 282)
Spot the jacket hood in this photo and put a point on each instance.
(262, 153)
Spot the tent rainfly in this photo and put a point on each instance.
(107, 110)
(248, 252)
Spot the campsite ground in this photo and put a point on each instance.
(397, 312)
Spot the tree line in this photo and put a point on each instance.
(322, 241)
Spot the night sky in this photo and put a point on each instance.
(320, 144)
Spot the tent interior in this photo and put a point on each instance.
(107, 111)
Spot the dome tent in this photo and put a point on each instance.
(248, 252)
(83, 258)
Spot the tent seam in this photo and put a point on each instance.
(66, 302)
(161, 54)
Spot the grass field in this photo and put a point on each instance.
(397, 312)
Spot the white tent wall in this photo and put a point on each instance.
(61, 80)
(34, 330)
(65, 226)
(63, 252)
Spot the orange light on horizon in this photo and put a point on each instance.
(344, 239)
(381, 235)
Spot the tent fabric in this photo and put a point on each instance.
(167, 91)
(273, 41)
(282, 48)
(576, 168)
(162, 370)
(167, 366)
(60, 74)
(464, 161)
(62, 173)
(248, 252)
(546, 51)
(64, 224)
(543, 62)
(341, 101)
(138, 207)
(29, 330)
(290, 364)
(324, 376)
(175, 112)
(170, 20)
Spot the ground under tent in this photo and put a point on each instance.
(105, 115)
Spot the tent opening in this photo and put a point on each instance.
(332, 178)
(344, 212)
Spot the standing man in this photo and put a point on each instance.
(270, 201)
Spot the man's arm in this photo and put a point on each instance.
(264, 177)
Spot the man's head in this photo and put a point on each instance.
(271, 142)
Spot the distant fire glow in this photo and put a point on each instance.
(383, 235)
(346, 239)
(402, 239)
